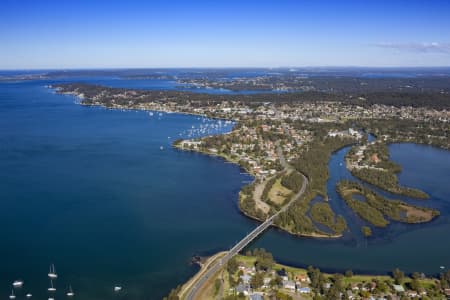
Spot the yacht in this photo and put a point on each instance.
(52, 273)
(70, 293)
(51, 288)
(17, 284)
(117, 288)
(28, 296)
(12, 296)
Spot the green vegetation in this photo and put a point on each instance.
(292, 181)
(322, 285)
(374, 206)
(366, 231)
(375, 167)
(387, 181)
(313, 162)
(394, 130)
(322, 213)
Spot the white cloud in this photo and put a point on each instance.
(417, 47)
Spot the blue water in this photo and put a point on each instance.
(422, 247)
(90, 190)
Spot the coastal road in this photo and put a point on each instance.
(191, 295)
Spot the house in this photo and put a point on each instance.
(399, 288)
(256, 296)
(302, 278)
(412, 294)
(246, 279)
(304, 290)
(266, 282)
(326, 285)
(349, 295)
(289, 285)
(242, 288)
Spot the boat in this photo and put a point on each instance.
(117, 288)
(51, 298)
(161, 148)
(70, 293)
(52, 273)
(442, 267)
(12, 296)
(51, 288)
(17, 283)
(28, 296)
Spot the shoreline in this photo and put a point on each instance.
(350, 277)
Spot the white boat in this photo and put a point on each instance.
(51, 288)
(17, 284)
(12, 296)
(161, 148)
(442, 267)
(117, 288)
(51, 298)
(28, 295)
(52, 273)
(70, 293)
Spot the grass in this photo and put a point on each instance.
(279, 193)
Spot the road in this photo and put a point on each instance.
(249, 237)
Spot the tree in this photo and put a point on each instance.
(348, 273)
(398, 276)
(366, 231)
(232, 266)
(257, 280)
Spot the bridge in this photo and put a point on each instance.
(191, 295)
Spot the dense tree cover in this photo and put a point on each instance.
(363, 209)
(430, 99)
(264, 259)
(313, 162)
(292, 181)
(432, 132)
(374, 206)
(387, 181)
(322, 213)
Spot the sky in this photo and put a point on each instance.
(280, 33)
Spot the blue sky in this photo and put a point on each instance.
(108, 34)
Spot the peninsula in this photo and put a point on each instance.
(303, 129)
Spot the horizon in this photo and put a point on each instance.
(56, 35)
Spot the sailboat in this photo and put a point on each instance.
(51, 288)
(12, 296)
(70, 293)
(52, 273)
(17, 283)
(117, 288)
